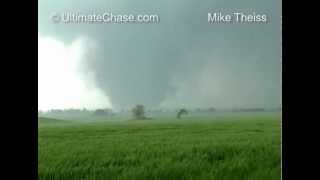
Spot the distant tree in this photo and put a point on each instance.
(212, 109)
(181, 112)
(102, 112)
(138, 112)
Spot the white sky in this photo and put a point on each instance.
(61, 82)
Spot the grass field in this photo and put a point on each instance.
(192, 148)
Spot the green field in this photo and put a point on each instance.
(191, 148)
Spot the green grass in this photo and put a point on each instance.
(193, 148)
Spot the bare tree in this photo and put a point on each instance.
(138, 112)
(181, 112)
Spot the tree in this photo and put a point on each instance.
(102, 112)
(138, 111)
(181, 112)
(212, 109)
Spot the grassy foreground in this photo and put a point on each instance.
(192, 148)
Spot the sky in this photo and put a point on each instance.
(182, 61)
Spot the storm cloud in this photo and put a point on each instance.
(182, 60)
